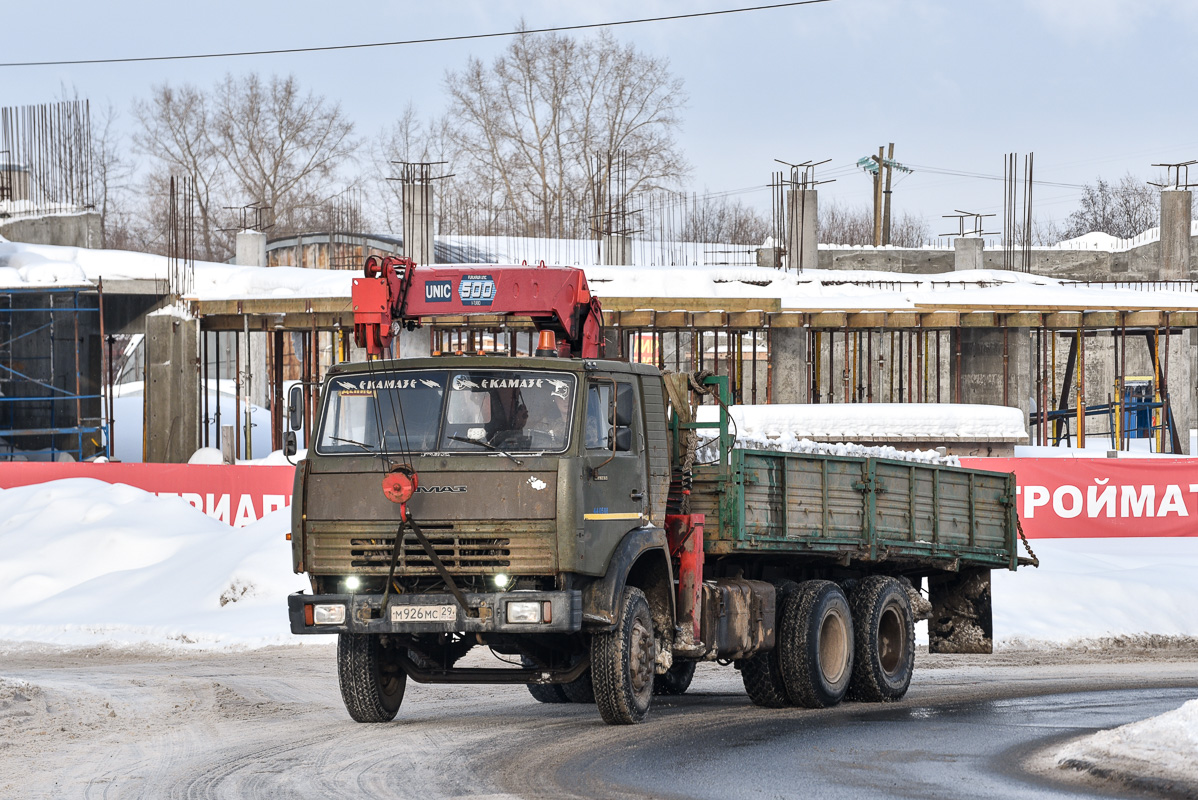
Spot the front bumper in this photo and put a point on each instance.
(486, 613)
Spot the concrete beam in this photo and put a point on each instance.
(968, 253)
(172, 388)
(1176, 213)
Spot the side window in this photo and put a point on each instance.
(598, 408)
(609, 419)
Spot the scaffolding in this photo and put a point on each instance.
(50, 400)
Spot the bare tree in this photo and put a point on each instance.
(111, 172)
(1121, 209)
(407, 139)
(854, 225)
(721, 219)
(525, 128)
(281, 147)
(177, 133)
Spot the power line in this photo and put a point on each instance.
(433, 40)
(983, 176)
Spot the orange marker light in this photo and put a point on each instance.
(547, 344)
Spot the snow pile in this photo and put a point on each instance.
(1089, 589)
(876, 422)
(1160, 750)
(708, 450)
(87, 562)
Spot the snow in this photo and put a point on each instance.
(26, 265)
(787, 443)
(1163, 748)
(875, 421)
(88, 562)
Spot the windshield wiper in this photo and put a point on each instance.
(365, 447)
(489, 446)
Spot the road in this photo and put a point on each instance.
(105, 723)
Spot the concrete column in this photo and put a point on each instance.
(415, 344)
(802, 229)
(788, 364)
(418, 222)
(982, 372)
(617, 250)
(1176, 213)
(967, 253)
(172, 387)
(251, 252)
(251, 249)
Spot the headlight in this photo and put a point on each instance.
(501, 581)
(524, 612)
(329, 615)
(352, 583)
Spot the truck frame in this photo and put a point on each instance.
(551, 509)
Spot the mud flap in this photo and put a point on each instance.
(962, 618)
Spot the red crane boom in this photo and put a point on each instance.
(396, 293)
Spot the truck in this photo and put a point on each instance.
(569, 513)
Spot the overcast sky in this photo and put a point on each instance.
(1093, 87)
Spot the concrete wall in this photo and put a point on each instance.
(68, 230)
(1141, 263)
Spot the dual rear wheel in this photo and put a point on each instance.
(830, 645)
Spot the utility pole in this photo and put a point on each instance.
(878, 198)
(875, 165)
(889, 164)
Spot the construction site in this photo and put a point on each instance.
(1089, 344)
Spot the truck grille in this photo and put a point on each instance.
(455, 551)
(464, 549)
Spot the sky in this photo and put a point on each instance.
(1092, 87)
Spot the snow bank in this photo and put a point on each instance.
(1098, 588)
(1163, 750)
(708, 450)
(876, 421)
(87, 562)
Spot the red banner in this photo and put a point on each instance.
(236, 495)
(1091, 498)
(1056, 497)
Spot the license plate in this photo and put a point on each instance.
(414, 613)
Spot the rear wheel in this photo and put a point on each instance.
(372, 682)
(762, 674)
(676, 680)
(623, 660)
(815, 647)
(581, 689)
(885, 636)
(544, 692)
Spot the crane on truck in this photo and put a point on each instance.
(552, 509)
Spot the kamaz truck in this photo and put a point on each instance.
(558, 510)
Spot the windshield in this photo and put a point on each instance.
(426, 411)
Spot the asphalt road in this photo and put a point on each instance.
(270, 724)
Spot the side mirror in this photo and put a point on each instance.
(289, 444)
(295, 408)
(623, 437)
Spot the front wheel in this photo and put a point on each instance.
(815, 647)
(622, 662)
(372, 682)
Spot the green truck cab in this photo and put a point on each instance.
(554, 513)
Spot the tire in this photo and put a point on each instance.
(622, 662)
(677, 680)
(884, 656)
(372, 683)
(544, 692)
(815, 647)
(581, 689)
(762, 674)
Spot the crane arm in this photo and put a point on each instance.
(396, 292)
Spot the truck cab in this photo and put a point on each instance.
(539, 498)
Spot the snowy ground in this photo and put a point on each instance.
(1159, 752)
(87, 562)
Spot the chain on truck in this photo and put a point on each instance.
(559, 510)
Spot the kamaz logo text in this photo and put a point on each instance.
(441, 490)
